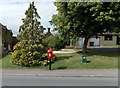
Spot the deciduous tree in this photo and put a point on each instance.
(86, 19)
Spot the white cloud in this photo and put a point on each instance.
(12, 11)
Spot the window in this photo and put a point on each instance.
(108, 37)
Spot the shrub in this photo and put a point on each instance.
(45, 61)
(56, 42)
(28, 53)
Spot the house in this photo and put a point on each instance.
(92, 41)
(5, 39)
(102, 40)
(109, 39)
(14, 41)
(0, 41)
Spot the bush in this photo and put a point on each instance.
(45, 61)
(56, 42)
(28, 53)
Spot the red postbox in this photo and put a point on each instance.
(50, 54)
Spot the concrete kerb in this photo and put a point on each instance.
(62, 73)
(41, 75)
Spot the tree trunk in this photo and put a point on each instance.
(84, 48)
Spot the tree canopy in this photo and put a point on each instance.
(86, 19)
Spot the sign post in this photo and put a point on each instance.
(50, 65)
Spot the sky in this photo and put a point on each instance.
(12, 12)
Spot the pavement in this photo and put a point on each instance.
(62, 73)
(67, 51)
(102, 48)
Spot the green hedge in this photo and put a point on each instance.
(56, 42)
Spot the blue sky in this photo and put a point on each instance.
(12, 11)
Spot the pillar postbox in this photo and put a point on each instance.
(50, 54)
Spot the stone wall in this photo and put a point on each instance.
(5, 40)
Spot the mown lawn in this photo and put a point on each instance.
(98, 60)
(114, 46)
(6, 64)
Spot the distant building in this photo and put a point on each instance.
(0, 40)
(102, 40)
(92, 41)
(5, 39)
(109, 39)
(48, 33)
(14, 41)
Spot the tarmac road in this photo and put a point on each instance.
(80, 77)
(57, 81)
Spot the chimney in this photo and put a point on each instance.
(48, 30)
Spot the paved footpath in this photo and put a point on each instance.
(62, 73)
(93, 48)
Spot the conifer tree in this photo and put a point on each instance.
(30, 50)
(31, 28)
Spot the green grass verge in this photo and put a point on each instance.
(114, 46)
(6, 64)
(98, 60)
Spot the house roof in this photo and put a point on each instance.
(5, 28)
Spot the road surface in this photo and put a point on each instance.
(58, 81)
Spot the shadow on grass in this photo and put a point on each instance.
(88, 61)
(4, 55)
(63, 57)
(60, 68)
(105, 53)
(108, 53)
(63, 67)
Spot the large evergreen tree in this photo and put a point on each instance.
(31, 28)
(30, 50)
